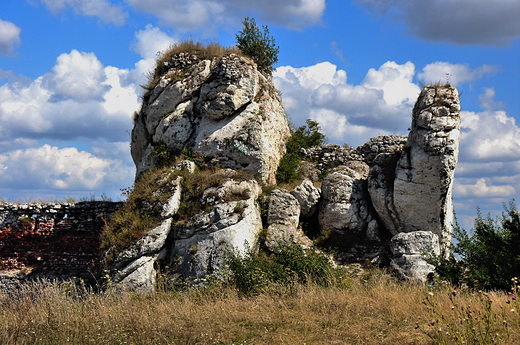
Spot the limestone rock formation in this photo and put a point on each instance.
(425, 171)
(308, 197)
(389, 200)
(409, 249)
(232, 222)
(344, 206)
(222, 108)
(283, 220)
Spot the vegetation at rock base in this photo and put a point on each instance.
(141, 212)
(259, 46)
(489, 255)
(138, 215)
(366, 307)
(254, 271)
(302, 137)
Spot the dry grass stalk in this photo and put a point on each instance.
(374, 309)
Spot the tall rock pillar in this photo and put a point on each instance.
(425, 172)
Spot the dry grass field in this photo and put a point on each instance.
(369, 308)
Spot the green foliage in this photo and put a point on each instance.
(252, 272)
(200, 159)
(490, 257)
(302, 137)
(258, 46)
(162, 155)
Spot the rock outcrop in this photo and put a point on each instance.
(283, 220)
(409, 250)
(233, 222)
(192, 249)
(387, 201)
(416, 196)
(344, 206)
(222, 108)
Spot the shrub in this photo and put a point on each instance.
(252, 272)
(302, 137)
(490, 257)
(258, 46)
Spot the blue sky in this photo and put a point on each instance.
(70, 72)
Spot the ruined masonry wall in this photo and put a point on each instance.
(53, 239)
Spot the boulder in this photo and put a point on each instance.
(283, 220)
(412, 267)
(222, 108)
(344, 206)
(151, 243)
(308, 197)
(409, 250)
(415, 243)
(139, 275)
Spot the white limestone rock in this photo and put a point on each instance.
(174, 202)
(308, 197)
(233, 221)
(151, 243)
(283, 219)
(409, 250)
(425, 172)
(232, 86)
(222, 108)
(373, 232)
(415, 243)
(412, 267)
(344, 207)
(139, 275)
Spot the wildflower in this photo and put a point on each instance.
(513, 297)
(454, 293)
(430, 293)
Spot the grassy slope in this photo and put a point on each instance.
(374, 309)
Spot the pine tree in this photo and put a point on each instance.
(258, 46)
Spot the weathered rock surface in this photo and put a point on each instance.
(222, 108)
(233, 221)
(425, 171)
(308, 197)
(330, 156)
(393, 187)
(344, 206)
(409, 250)
(284, 217)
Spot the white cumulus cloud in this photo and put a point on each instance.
(48, 167)
(483, 188)
(348, 113)
(455, 74)
(9, 37)
(490, 135)
(457, 21)
(102, 9)
(150, 41)
(76, 76)
(79, 98)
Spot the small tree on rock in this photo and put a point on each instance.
(258, 46)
